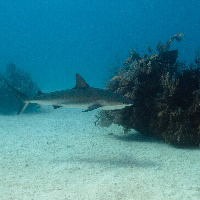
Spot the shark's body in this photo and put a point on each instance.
(81, 96)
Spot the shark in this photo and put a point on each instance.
(81, 96)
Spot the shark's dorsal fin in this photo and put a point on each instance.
(80, 82)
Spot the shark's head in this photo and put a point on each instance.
(114, 101)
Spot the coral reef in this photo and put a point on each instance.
(166, 95)
(21, 81)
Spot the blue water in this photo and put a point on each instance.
(53, 40)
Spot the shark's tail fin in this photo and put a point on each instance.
(22, 97)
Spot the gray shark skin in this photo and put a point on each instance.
(81, 96)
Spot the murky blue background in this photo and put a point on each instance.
(54, 39)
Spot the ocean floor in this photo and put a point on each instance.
(61, 155)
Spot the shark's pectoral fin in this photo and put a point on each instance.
(55, 107)
(93, 107)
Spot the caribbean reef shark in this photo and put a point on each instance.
(81, 96)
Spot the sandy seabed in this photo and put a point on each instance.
(61, 155)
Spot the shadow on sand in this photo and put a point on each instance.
(127, 162)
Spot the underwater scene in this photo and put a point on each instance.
(100, 100)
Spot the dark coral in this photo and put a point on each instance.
(166, 97)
